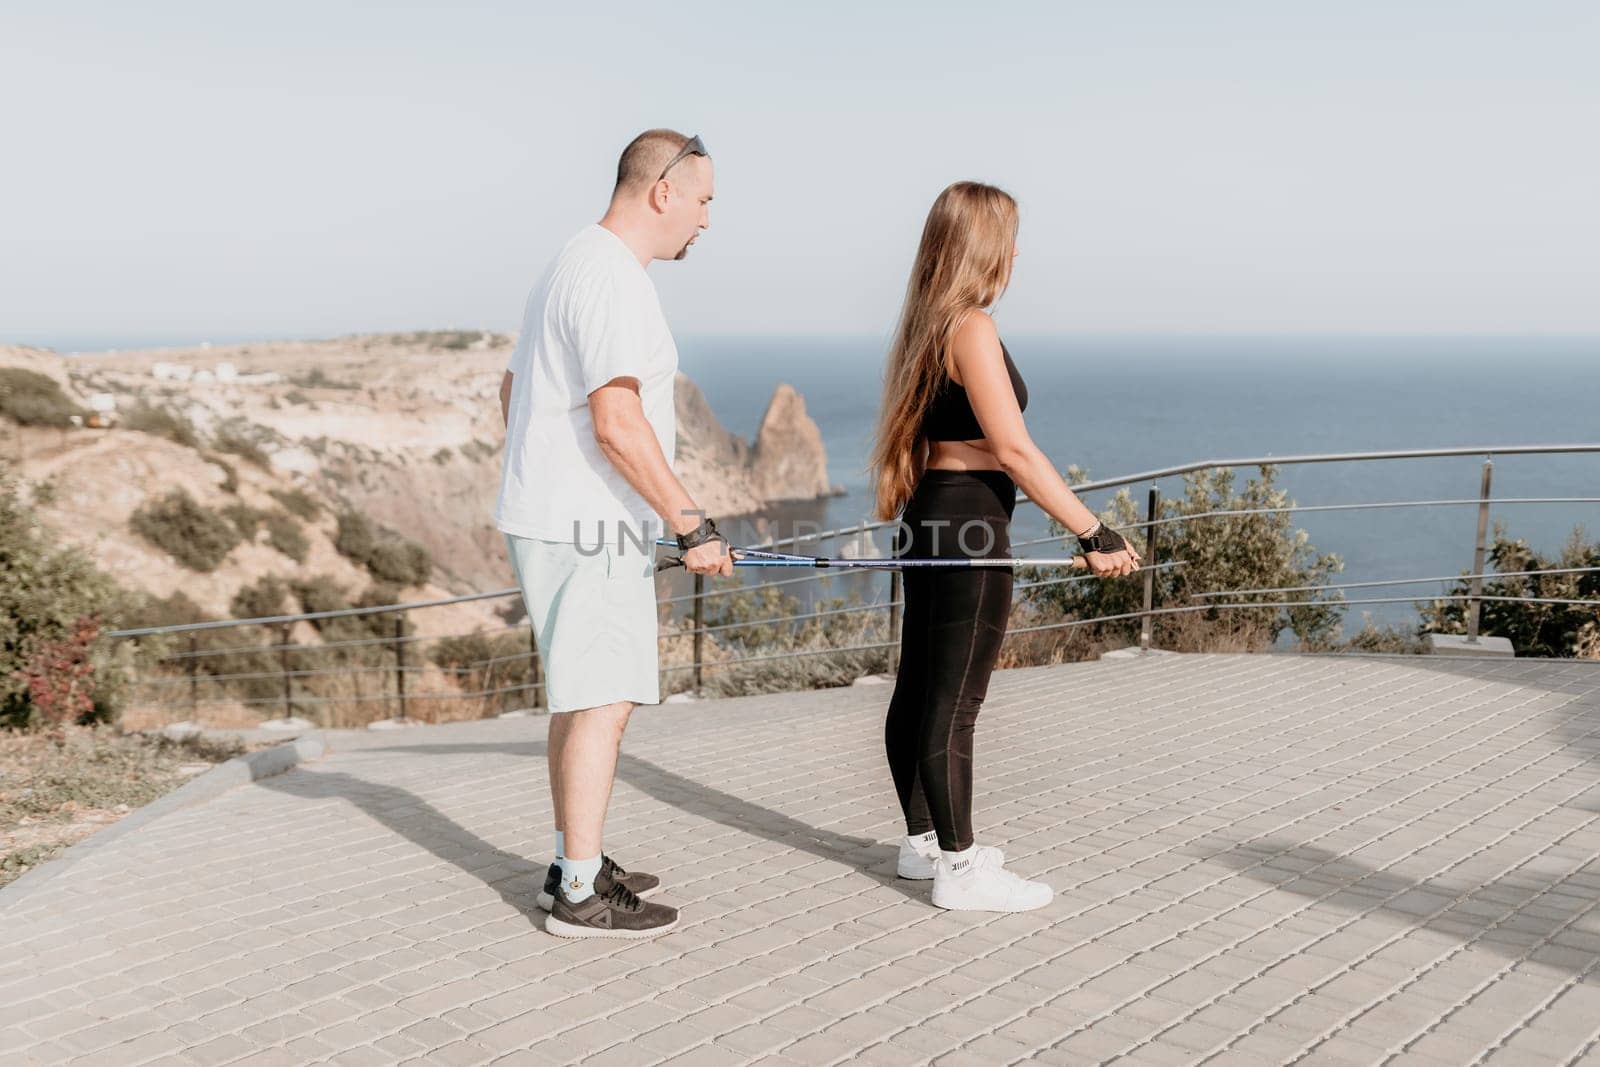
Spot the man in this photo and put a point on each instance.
(590, 436)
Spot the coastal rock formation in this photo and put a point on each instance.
(728, 477)
(402, 429)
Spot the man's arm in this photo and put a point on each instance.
(505, 398)
(628, 441)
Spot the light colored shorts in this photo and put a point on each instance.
(594, 618)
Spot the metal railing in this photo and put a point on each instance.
(507, 675)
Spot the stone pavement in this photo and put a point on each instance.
(1258, 860)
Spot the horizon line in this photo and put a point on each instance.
(160, 342)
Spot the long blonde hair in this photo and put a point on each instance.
(963, 264)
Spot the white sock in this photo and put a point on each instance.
(561, 845)
(925, 844)
(960, 862)
(577, 877)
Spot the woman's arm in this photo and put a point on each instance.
(981, 369)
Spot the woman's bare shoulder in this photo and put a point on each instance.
(975, 337)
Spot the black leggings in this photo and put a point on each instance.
(953, 625)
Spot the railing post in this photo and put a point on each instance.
(535, 678)
(896, 585)
(699, 632)
(283, 663)
(400, 660)
(194, 679)
(1147, 620)
(1473, 604)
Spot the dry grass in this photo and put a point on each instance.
(58, 787)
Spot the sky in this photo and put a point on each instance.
(189, 171)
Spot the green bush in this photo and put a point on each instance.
(285, 535)
(1220, 552)
(160, 422)
(1550, 630)
(386, 555)
(298, 502)
(46, 595)
(193, 535)
(34, 399)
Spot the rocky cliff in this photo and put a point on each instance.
(404, 429)
(728, 477)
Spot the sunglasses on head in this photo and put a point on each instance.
(694, 147)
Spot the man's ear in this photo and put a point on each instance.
(658, 196)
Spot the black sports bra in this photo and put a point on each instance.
(950, 416)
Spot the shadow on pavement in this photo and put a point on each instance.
(516, 879)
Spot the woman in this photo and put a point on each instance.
(951, 451)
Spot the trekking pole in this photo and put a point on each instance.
(755, 557)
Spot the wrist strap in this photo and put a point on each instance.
(706, 531)
(1102, 539)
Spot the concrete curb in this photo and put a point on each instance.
(241, 770)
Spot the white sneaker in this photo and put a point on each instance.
(918, 866)
(987, 887)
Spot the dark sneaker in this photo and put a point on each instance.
(552, 882)
(611, 911)
(640, 885)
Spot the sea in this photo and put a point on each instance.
(1123, 405)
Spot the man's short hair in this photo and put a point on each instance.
(646, 155)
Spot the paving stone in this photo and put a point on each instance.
(1257, 858)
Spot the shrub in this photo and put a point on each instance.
(285, 535)
(44, 492)
(230, 477)
(1220, 553)
(34, 399)
(1376, 637)
(386, 555)
(191, 534)
(59, 676)
(318, 379)
(175, 610)
(161, 422)
(231, 441)
(298, 502)
(322, 593)
(483, 664)
(401, 562)
(49, 598)
(830, 660)
(1554, 630)
(245, 519)
(319, 593)
(246, 440)
(261, 599)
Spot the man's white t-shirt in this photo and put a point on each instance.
(593, 317)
